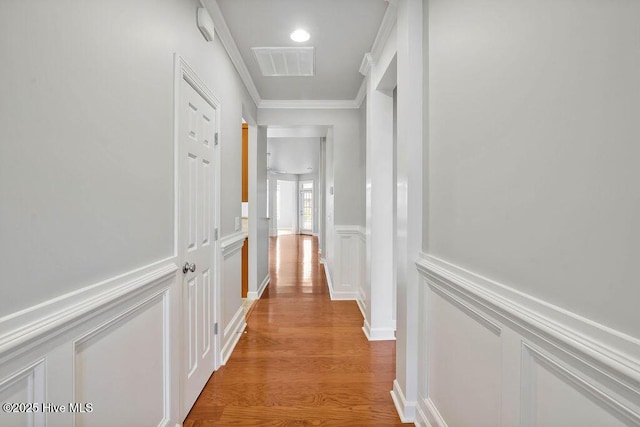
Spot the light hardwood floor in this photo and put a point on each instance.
(304, 359)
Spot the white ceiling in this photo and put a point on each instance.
(342, 31)
(294, 155)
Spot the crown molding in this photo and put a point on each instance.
(386, 26)
(362, 92)
(232, 49)
(369, 59)
(309, 104)
(366, 64)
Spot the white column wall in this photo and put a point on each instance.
(258, 221)
(410, 146)
(379, 323)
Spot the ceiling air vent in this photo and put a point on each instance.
(285, 61)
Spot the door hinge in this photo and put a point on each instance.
(215, 328)
(215, 139)
(215, 234)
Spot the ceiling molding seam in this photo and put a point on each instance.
(232, 49)
(310, 104)
(386, 27)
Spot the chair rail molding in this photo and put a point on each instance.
(22, 330)
(232, 243)
(530, 353)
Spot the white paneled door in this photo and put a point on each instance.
(196, 145)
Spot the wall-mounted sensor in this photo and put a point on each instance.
(205, 23)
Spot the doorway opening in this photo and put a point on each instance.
(286, 207)
(306, 207)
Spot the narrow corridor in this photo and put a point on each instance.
(304, 359)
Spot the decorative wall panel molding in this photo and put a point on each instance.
(232, 243)
(119, 327)
(26, 328)
(349, 249)
(546, 355)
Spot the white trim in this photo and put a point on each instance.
(35, 376)
(236, 326)
(361, 304)
(432, 417)
(406, 410)
(333, 294)
(232, 49)
(342, 295)
(612, 405)
(19, 332)
(602, 350)
(466, 308)
(350, 229)
(362, 93)
(161, 296)
(221, 27)
(309, 104)
(365, 65)
(378, 334)
(232, 243)
(386, 26)
(257, 295)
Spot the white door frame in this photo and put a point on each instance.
(182, 71)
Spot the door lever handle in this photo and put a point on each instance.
(189, 267)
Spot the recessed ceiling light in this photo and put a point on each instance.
(300, 36)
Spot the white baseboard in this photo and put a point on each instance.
(342, 295)
(430, 417)
(378, 334)
(362, 307)
(232, 333)
(257, 295)
(337, 295)
(327, 274)
(406, 410)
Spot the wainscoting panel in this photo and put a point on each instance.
(107, 354)
(348, 275)
(123, 364)
(492, 356)
(27, 385)
(464, 363)
(233, 322)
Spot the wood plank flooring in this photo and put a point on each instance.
(303, 360)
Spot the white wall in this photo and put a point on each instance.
(87, 188)
(288, 205)
(86, 120)
(535, 190)
(529, 285)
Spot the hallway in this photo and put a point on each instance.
(303, 359)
